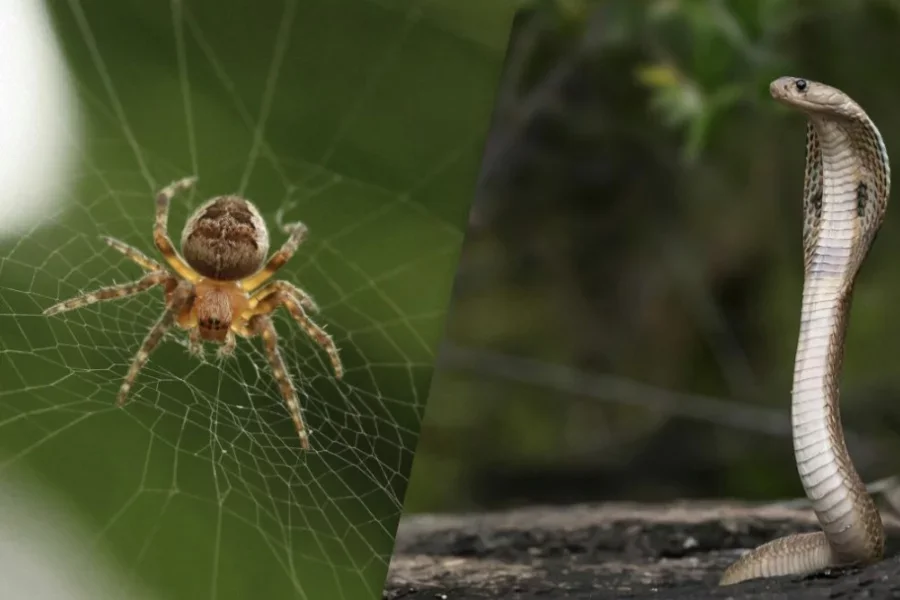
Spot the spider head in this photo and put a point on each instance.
(214, 314)
(225, 239)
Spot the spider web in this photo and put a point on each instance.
(364, 120)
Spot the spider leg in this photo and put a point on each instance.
(226, 350)
(180, 296)
(133, 253)
(110, 293)
(195, 345)
(301, 296)
(296, 234)
(262, 325)
(305, 300)
(160, 228)
(283, 293)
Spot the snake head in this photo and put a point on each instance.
(812, 96)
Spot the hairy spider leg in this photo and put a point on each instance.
(302, 296)
(195, 344)
(160, 228)
(296, 235)
(262, 325)
(132, 253)
(226, 350)
(180, 298)
(283, 293)
(111, 292)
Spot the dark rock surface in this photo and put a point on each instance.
(614, 551)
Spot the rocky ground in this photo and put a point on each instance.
(614, 551)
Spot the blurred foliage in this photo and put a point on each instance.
(362, 118)
(638, 221)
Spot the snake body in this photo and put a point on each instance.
(846, 188)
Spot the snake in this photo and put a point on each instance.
(845, 193)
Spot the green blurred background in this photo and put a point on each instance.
(366, 120)
(626, 310)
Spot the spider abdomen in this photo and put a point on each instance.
(225, 239)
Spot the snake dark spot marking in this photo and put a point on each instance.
(816, 200)
(862, 198)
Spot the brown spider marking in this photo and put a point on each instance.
(225, 239)
(215, 291)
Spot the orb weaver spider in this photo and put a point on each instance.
(218, 289)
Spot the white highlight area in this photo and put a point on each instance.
(45, 555)
(39, 129)
(43, 552)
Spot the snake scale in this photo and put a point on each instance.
(845, 194)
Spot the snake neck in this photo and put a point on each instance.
(823, 462)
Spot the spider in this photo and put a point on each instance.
(216, 290)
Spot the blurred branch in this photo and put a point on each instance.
(615, 389)
(618, 390)
(519, 102)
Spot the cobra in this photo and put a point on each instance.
(845, 195)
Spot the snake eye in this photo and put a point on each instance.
(801, 85)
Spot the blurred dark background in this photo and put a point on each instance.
(625, 314)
